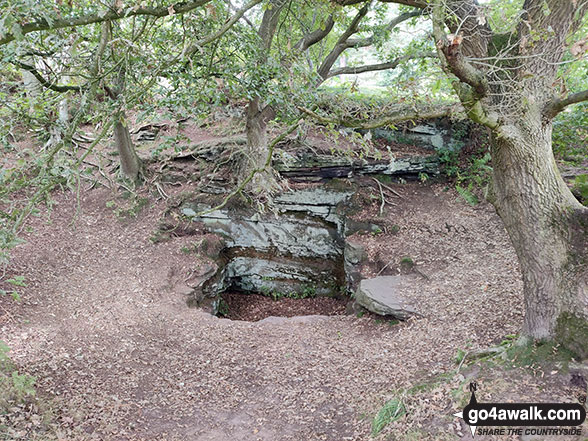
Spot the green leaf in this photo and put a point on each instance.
(17, 31)
(17, 281)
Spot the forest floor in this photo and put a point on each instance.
(118, 355)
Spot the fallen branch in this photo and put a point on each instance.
(404, 114)
(382, 198)
(390, 189)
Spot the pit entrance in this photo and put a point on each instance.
(293, 261)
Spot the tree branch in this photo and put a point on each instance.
(46, 84)
(315, 36)
(472, 86)
(228, 24)
(376, 67)
(341, 44)
(557, 105)
(399, 115)
(249, 22)
(414, 3)
(368, 41)
(345, 42)
(60, 23)
(450, 50)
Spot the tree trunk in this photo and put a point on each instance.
(548, 228)
(263, 183)
(129, 161)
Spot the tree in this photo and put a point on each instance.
(513, 94)
(277, 59)
(111, 60)
(511, 83)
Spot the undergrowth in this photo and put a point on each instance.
(15, 388)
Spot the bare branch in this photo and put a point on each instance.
(349, 70)
(472, 86)
(60, 23)
(345, 42)
(557, 105)
(249, 22)
(401, 114)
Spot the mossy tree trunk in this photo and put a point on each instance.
(515, 98)
(259, 114)
(130, 163)
(548, 229)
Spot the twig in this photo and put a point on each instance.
(391, 190)
(384, 267)
(161, 191)
(420, 273)
(383, 199)
(463, 359)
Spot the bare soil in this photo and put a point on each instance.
(104, 327)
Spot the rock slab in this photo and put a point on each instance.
(382, 295)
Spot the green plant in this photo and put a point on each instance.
(471, 175)
(135, 206)
(223, 308)
(570, 133)
(376, 231)
(392, 410)
(467, 194)
(460, 356)
(192, 248)
(449, 160)
(308, 291)
(407, 263)
(277, 295)
(580, 188)
(175, 143)
(14, 387)
(17, 281)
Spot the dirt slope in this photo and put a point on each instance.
(115, 348)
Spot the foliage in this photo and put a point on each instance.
(307, 291)
(14, 387)
(580, 188)
(392, 410)
(472, 174)
(570, 134)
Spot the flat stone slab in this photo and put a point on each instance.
(382, 295)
